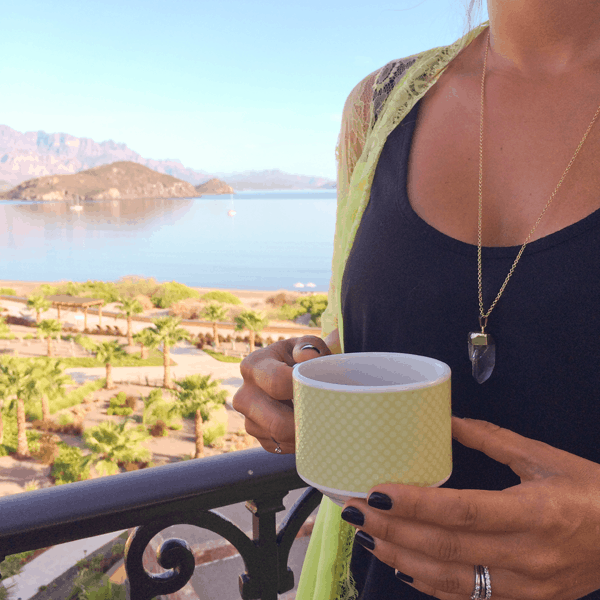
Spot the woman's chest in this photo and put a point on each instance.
(529, 140)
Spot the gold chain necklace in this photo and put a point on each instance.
(482, 349)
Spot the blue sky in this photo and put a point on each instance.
(225, 85)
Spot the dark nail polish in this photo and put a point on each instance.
(364, 539)
(353, 516)
(402, 577)
(380, 501)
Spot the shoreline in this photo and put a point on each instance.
(251, 299)
(26, 287)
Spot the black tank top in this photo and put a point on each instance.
(409, 288)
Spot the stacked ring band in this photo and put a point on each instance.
(483, 584)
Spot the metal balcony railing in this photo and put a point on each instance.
(153, 499)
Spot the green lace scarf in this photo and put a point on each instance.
(373, 110)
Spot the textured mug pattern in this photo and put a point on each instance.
(353, 441)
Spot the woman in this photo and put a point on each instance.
(468, 211)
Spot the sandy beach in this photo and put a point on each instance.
(255, 300)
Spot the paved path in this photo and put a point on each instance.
(190, 361)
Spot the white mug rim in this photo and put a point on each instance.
(368, 389)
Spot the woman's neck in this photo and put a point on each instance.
(544, 38)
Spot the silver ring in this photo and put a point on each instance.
(307, 346)
(483, 583)
(278, 447)
(477, 591)
(488, 583)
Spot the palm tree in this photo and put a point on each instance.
(253, 322)
(16, 380)
(130, 307)
(167, 332)
(50, 381)
(146, 339)
(112, 443)
(200, 395)
(38, 303)
(107, 353)
(215, 312)
(49, 328)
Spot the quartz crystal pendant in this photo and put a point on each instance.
(482, 354)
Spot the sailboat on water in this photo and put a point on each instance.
(231, 212)
(76, 207)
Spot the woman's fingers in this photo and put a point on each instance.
(309, 347)
(472, 510)
(447, 580)
(528, 458)
(265, 398)
(265, 416)
(271, 368)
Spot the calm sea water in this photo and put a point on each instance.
(275, 240)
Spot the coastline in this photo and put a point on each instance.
(251, 299)
(25, 288)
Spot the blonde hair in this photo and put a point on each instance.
(473, 16)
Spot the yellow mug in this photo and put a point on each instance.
(372, 417)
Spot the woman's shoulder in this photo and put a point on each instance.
(387, 78)
(369, 94)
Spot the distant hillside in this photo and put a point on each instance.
(214, 186)
(38, 154)
(275, 179)
(118, 180)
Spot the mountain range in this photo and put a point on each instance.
(35, 154)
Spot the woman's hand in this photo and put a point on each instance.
(539, 539)
(265, 398)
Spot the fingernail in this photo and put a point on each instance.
(311, 347)
(402, 577)
(380, 501)
(353, 516)
(364, 539)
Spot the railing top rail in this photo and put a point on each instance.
(73, 511)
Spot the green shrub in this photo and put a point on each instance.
(7, 292)
(130, 287)
(73, 398)
(212, 434)
(156, 409)
(221, 296)
(314, 305)
(222, 357)
(118, 405)
(289, 312)
(47, 290)
(13, 564)
(65, 419)
(5, 332)
(70, 466)
(29, 336)
(104, 589)
(120, 411)
(105, 290)
(171, 292)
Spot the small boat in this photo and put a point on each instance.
(231, 213)
(76, 207)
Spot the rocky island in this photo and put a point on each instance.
(214, 186)
(118, 180)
